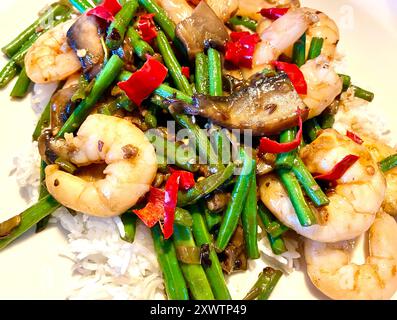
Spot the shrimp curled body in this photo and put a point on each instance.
(353, 203)
(330, 269)
(282, 34)
(50, 58)
(380, 151)
(131, 167)
(323, 84)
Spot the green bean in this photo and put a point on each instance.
(150, 118)
(249, 221)
(42, 224)
(272, 226)
(235, 206)
(308, 183)
(103, 81)
(327, 120)
(315, 48)
(265, 285)
(183, 217)
(205, 186)
(277, 245)
(244, 21)
(347, 80)
(84, 87)
(129, 220)
(303, 211)
(81, 5)
(215, 72)
(194, 274)
(286, 160)
(214, 270)
(201, 141)
(358, 92)
(202, 81)
(161, 17)
(312, 129)
(221, 144)
(174, 67)
(175, 284)
(43, 122)
(141, 47)
(21, 86)
(206, 153)
(183, 158)
(118, 28)
(167, 92)
(8, 73)
(292, 161)
(30, 217)
(109, 108)
(388, 163)
(14, 46)
(65, 165)
(363, 94)
(212, 219)
(299, 51)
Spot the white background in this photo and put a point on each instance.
(32, 268)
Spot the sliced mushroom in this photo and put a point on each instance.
(266, 106)
(84, 37)
(201, 28)
(62, 107)
(234, 258)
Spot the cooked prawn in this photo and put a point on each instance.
(50, 58)
(330, 269)
(353, 203)
(282, 34)
(130, 161)
(177, 10)
(380, 151)
(250, 8)
(224, 9)
(327, 29)
(323, 84)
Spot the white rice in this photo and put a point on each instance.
(106, 267)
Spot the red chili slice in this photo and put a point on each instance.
(170, 201)
(354, 137)
(240, 50)
(143, 82)
(340, 168)
(154, 209)
(186, 72)
(147, 28)
(162, 204)
(273, 13)
(271, 146)
(187, 179)
(106, 10)
(294, 74)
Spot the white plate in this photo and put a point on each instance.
(32, 267)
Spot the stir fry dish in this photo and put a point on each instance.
(211, 123)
